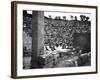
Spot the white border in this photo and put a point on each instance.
(30, 72)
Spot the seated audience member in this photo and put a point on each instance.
(66, 46)
(60, 47)
(56, 47)
(45, 48)
(48, 48)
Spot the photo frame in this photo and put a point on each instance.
(49, 39)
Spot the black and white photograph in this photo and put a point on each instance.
(56, 39)
(53, 39)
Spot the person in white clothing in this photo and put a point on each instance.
(48, 48)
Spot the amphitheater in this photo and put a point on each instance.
(55, 42)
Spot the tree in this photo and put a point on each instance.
(71, 17)
(75, 18)
(59, 18)
(64, 17)
(87, 18)
(50, 17)
(81, 17)
(84, 17)
(24, 12)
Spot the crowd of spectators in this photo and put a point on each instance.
(60, 31)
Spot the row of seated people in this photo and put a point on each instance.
(59, 49)
(56, 48)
